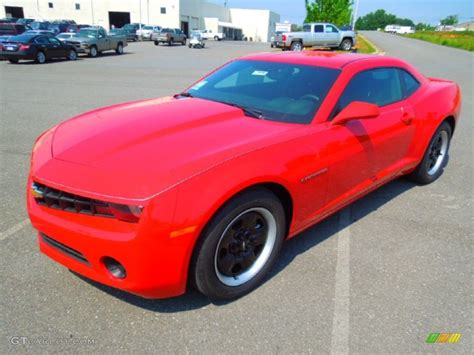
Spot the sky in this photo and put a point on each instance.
(428, 11)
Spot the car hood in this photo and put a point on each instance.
(81, 39)
(136, 150)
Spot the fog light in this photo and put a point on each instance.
(114, 267)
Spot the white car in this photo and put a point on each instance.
(399, 29)
(65, 36)
(147, 31)
(209, 34)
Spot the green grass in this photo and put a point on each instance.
(461, 40)
(363, 46)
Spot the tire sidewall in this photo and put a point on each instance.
(343, 44)
(120, 48)
(296, 46)
(74, 57)
(421, 175)
(93, 50)
(38, 56)
(204, 275)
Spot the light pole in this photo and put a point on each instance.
(354, 17)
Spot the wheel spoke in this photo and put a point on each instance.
(247, 260)
(227, 263)
(259, 237)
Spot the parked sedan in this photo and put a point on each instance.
(203, 188)
(36, 47)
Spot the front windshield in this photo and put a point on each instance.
(91, 33)
(148, 27)
(279, 91)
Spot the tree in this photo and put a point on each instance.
(424, 27)
(450, 20)
(338, 12)
(379, 19)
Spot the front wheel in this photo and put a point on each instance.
(435, 157)
(119, 49)
(93, 52)
(346, 44)
(296, 46)
(72, 55)
(239, 246)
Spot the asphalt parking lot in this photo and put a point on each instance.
(376, 278)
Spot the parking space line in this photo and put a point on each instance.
(12, 230)
(341, 315)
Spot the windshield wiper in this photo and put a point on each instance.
(183, 94)
(247, 110)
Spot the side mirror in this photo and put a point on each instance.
(356, 110)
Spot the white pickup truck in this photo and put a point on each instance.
(216, 36)
(317, 35)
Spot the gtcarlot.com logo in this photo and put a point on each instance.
(24, 340)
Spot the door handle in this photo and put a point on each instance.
(407, 117)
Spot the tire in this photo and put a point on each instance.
(170, 42)
(296, 46)
(216, 38)
(72, 55)
(435, 158)
(93, 52)
(135, 39)
(183, 42)
(227, 264)
(13, 60)
(190, 45)
(40, 57)
(119, 49)
(157, 43)
(346, 44)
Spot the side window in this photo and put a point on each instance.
(53, 40)
(331, 29)
(378, 86)
(306, 28)
(102, 34)
(41, 40)
(318, 28)
(410, 84)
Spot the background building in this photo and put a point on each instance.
(257, 25)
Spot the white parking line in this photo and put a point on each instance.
(341, 315)
(12, 230)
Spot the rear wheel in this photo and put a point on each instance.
(40, 58)
(435, 158)
(156, 43)
(13, 60)
(346, 44)
(72, 54)
(216, 38)
(296, 46)
(183, 42)
(170, 42)
(239, 246)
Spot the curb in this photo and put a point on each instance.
(378, 51)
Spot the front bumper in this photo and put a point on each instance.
(156, 263)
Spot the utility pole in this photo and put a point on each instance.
(92, 11)
(354, 17)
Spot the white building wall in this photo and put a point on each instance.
(256, 24)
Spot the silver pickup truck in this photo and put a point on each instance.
(94, 40)
(316, 35)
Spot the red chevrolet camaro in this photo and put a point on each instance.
(203, 188)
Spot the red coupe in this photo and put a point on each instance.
(203, 188)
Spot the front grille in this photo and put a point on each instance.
(73, 253)
(60, 200)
